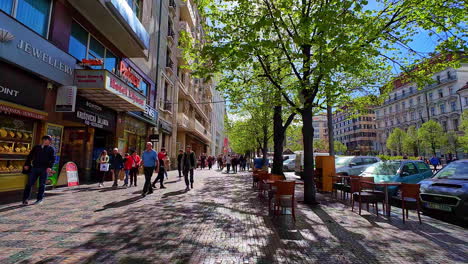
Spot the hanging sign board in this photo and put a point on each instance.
(66, 99)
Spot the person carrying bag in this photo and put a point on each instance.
(103, 163)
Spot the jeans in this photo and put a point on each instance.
(186, 177)
(40, 173)
(160, 177)
(102, 176)
(127, 174)
(116, 173)
(179, 168)
(133, 176)
(228, 167)
(148, 174)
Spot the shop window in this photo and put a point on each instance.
(84, 46)
(6, 6)
(32, 13)
(96, 51)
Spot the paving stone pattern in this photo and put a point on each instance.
(221, 221)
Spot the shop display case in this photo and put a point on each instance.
(16, 140)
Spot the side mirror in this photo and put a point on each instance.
(404, 174)
(352, 164)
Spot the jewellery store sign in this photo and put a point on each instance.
(21, 46)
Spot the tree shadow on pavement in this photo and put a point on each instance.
(120, 203)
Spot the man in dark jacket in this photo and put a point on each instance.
(188, 164)
(116, 164)
(38, 165)
(179, 162)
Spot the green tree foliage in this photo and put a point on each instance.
(431, 135)
(320, 145)
(340, 148)
(411, 142)
(451, 143)
(464, 128)
(395, 140)
(294, 138)
(305, 48)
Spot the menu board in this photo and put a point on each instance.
(56, 132)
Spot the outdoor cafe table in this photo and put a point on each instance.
(385, 185)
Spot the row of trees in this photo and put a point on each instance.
(312, 55)
(428, 139)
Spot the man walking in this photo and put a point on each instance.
(38, 165)
(188, 164)
(179, 162)
(150, 162)
(435, 161)
(162, 170)
(116, 164)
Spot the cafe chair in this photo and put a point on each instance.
(262, 185)
(409, 199)
(284, 197)
(370, 188)
(338, 184)
(347, 186)
(360, 196)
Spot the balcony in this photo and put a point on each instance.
(117, 22)
(187, 12)
(169, 65)
(172, 6)
(184, 122)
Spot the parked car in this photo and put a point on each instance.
(354, 165)
(447, 191)
(289, 165)
(405, 171)
(299, 168)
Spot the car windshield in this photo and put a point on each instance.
(387, 168)
(343, 161)
(455, 170)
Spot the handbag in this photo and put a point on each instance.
(104, 167)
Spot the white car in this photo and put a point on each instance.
(354, 165)
(289, 165)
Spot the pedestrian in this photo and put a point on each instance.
(127, 167)
(220, 162)
(179, 162)
(167, 163)
(134, 167)
(228, 162)
(449, 158)
(188, 164)
(150, 164)
(116, 164)
(242, 162)
(38, 164)
(234, 163)
(405, 157)
(202, 161)
(160, 177)
(210, 162)
(435, 161)
(103, 167)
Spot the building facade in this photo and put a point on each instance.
(80, 71)
(409, 105)
(357, 132)
(320, 125)
(217, 127)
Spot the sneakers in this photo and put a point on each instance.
(187, 188)
(25, 202)
(125, 185)
(150, 192)
(191, 185)
(100, 185)
(38, 201)
(162, 187)
(115, 186)
(143, 194)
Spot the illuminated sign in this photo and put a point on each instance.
(92, 62)
(128, 75)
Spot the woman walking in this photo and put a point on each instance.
(127, 167)
(135, 165)
(103, 166)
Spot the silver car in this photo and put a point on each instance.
(354, 165)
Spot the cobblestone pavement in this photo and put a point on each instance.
(221, 221)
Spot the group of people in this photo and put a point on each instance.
(205, 161)
(41, 159)
(234, 162)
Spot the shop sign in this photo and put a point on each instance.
(92, 114)
(20, 87)
(154, 138)
(150, 112)
(91, 62)
(165, 126)
(104, 80)
(8, 108)
(30, 51)
(72, 174)
(128, 75)
(66, 99)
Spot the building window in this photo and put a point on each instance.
(438, 78)
(33, 14)
(403, 105)
(397, 107)
(466, 100)
(136, 6)
(411, 101)
(444, 125)
(451, 90)
(84, 46)
(441, 93)
(419, 99)
(430, 96)
(433, 111)
(453, 106)
(411, 90)
(403, 92)
(413, 116)
(442, 108)
(455, 124)
(449, 75)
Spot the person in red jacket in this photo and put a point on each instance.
(133, 164)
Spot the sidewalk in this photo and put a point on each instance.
(221, 221)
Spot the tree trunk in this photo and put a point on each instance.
(278, 140)
(265, 144)
(308, 139)
(331, 140)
